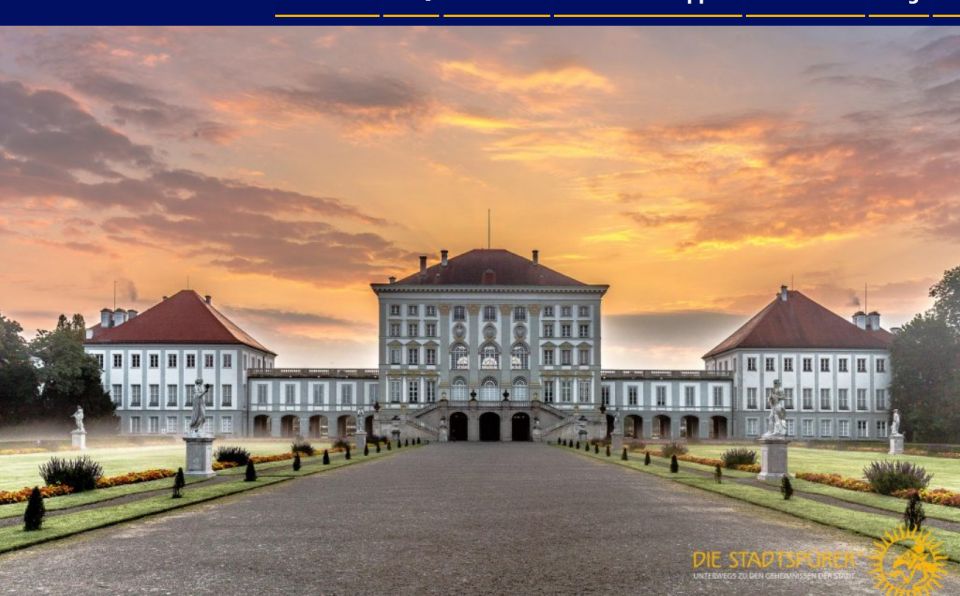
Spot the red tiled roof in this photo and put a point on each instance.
(184, 318)
(495, 267)
(799, 322)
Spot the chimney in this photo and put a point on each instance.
(119, 317)
(860, 319)
(443, 257)
(423, 263)
(536, 257)
(783, 293)
(131, 314)
(208, 299)
(894, 330)
(393, 279)
(105, 315)
(873, 321)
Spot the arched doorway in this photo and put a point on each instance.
(261, 426)
(458, 426)
(489, 427)
(289, 426)
(718, 427)
(318, 426)
(633, 426)
(346, 426)
(661, 427)
(368, 425)
(520, 427)
(610, 422)
(690, 427)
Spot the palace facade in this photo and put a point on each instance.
(489, 345)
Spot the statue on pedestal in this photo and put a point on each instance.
(777, 420)
(199, 407)
(895, 424)
(78, 417)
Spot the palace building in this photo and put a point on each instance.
(489, 345)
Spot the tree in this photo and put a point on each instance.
(646, 458)
(18, 376)
(946, 295)
(33, 516)
(786, 487)
(296, 461)
(178, 483)
(623, 456)
(326, 457)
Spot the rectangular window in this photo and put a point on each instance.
(346, 395)
(583, 391)
(431, 310)
(689, 396)
(566, 391)
(394, 355)
(826, 428)
(459, 313)
(548, 392)
(171, 361)
(117, 360)
(751, 398)
(807, 398)
(768, 364)
(394, 329)
(824, 365)
(861, 365)
(583, 358)
(565, 330)
(881, 428)
(583, 331)
(289, 394)
(788, 365)
(520, 313)
(172, 396)
(632, 394)
(566, 311)
(791, 427)
(413, 391)
(413, 355)
(661, 396)
(134, 360)
(226, 396)
(154, 360)
(135, 424)
(412, 310)
(881, 399)
(413, 330)
(394, 310)
(718, 397)
(191, 360)
(751, 427)
(171, 424)
(605, 395)
(806, 427)
(583, 311)
(881, 365)
(788, 398)
(751, 364)
(861, 399)
(431, 330)
(117, 394)
(548, 329)
(208, 397)
(153, 425)
(99, 358)
(431, 356)
(135, 396)
(548, 357)
(808, 365)
(395, 391)
(318, 390)
(548, 311)
(566, 357)
(262, 395)
(843, 399)
(825, 399)
(862, 429)
(228, 361)
(208, 360)
(489, 313)
(842, 365)
(430, 387)
(226, 424)
(188, 392)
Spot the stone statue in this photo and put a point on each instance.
(78, 417)
(895, 425)
(199, 406)
(777, 420)
(616, 422)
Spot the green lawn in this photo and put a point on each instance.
(17, 471)
(946, 471)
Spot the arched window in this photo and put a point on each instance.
(489, 357)
(520, 389)
(459, 389)
(520, 357)
(488, 390)
(459, 357)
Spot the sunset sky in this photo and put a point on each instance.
(282, 170)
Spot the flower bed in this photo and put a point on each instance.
(134, 477)
(709, 461)
(934, 496)
(24, 451)
(257, 459)
(20, 496)
(836, 480)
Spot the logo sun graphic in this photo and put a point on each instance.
(914, 572)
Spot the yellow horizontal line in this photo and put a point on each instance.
(806, 16)
(899, 16)
(648, 16)
(411, 16)
(497, 16)
(946, 16)
(326, 16)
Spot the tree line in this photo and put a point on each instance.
(48, 377)
(925, 358)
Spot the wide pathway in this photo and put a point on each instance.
(442, 519)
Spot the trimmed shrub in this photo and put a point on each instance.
(586, 447)
(80, 473)
(346, 453)
(418, 440)
(251, 473)
(378, 447)
(673, 448)
(786, 487)
(740, 456)
(718, 474)
(296, 461)
(578, 445)
(236, 455)
(913, 515)
(302, 446)
(608, 450)
(340, 445)
(886, 477)
(558, 440)
(646, 458)
(389, 448)
(366, 450)
(674, 465)
(326, 457)
(33, 516)
(406, 442)
(623, 456)
(178, 483)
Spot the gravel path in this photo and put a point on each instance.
(462, 518)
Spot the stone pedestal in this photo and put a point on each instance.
(773, 458)
(896, 444)
(199, 456)
(536, 435)
(78, 439)
(616, 442)
(360, 440)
